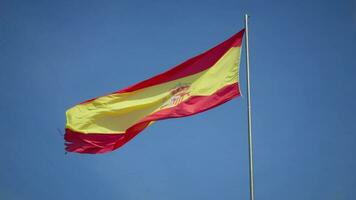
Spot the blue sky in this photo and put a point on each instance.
(56, 54)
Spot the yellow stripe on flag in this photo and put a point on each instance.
(115, 113)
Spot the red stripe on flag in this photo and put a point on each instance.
(192, 66)
(101, 143)
(90, 143)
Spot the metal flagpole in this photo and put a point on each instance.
(250, 147)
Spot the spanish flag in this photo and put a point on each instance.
(106, 123)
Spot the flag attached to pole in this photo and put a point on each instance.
(106, 123)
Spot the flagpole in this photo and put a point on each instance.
(249, 120)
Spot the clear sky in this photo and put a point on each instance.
(55, 54)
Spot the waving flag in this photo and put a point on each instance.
(106, 123)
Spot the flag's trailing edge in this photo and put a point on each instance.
(106, 123)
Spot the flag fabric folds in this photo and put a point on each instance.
(105, 123)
